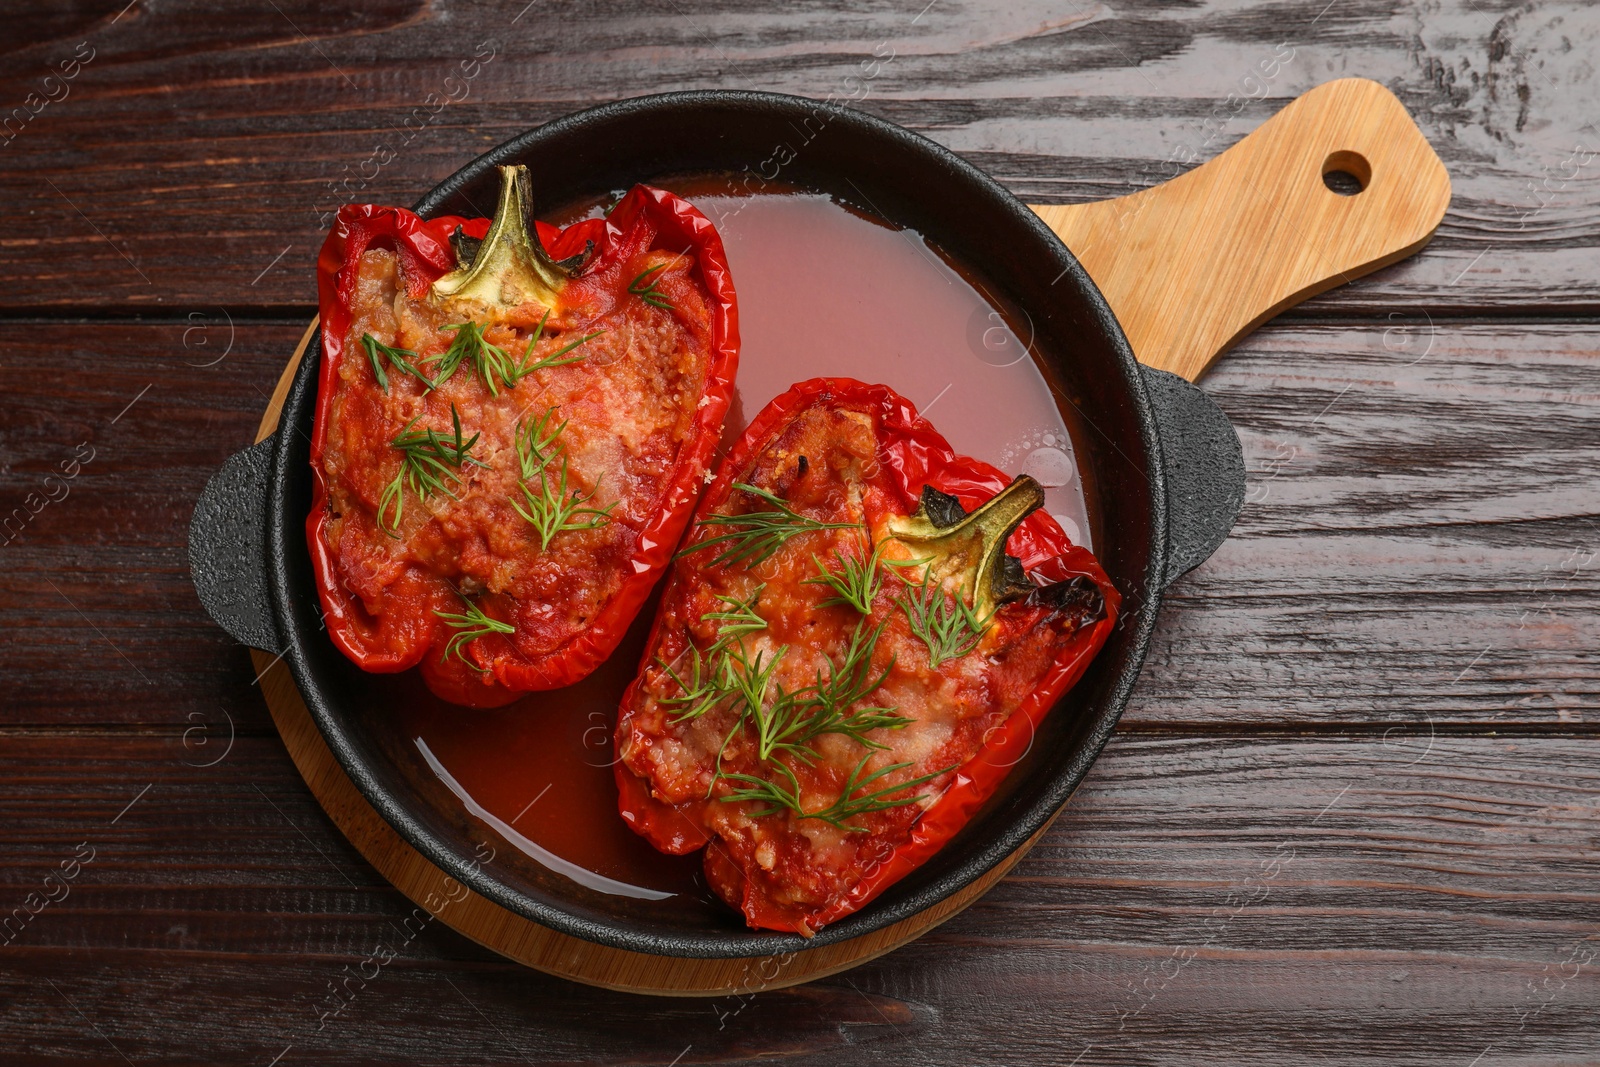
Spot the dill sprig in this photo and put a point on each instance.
(647, 291)
(763, 533)
(790, 721)
(558, 358)
(793, 720)
(946, 624)
(741, 618)
(748, 681)
(760, 790)
(826, 707)
(706, 681)
(780, 722)
(702, 687)
(426, 461)
(857, 583)
(489, 360)
(470, 625)
(847, 806)
(536, 443)
(551, 508)
(398, 357)
(470, 345)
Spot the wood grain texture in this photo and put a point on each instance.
(1414, 565)
(219, 153)
(103, 622)
(1164, 918)
(1192, 265)
(1419, 541)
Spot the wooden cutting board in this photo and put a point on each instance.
(1189, 266)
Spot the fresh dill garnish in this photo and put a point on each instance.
(706, 681)
(946, 624)
(536, 443)
(778, 798)
(790, 721)
(426, 460)
(647, 291)
(398, 357)
(702, 687)
(760, 790)
(740, 618)
(763, 533)
(470, 625)
(491, 361)
(825, 708)
(523, 368)
(554, 359)
(469, 344)
(550, 507)
(372, 344)
(794, 719)
(748, 681)
(855, 582)
(782, 724)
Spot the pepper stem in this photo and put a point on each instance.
(511, 266)
(970, 547)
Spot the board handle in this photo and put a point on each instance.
(1194, 264)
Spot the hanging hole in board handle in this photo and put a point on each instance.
(1346, 173)
(1192, 265)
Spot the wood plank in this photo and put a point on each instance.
(105, 623)
(1419, 543)
(1226, 899)
(217, 155)
(1416, 567)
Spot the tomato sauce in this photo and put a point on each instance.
(823, 290)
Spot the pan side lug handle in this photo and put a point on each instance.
(1203, 465)
(227, 548)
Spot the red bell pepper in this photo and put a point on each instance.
(856, 644)
(513, 424)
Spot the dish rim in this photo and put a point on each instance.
(984, 855)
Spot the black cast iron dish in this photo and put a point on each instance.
(1166, 462)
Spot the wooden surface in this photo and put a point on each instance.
(1193, 264)
(1351, 814)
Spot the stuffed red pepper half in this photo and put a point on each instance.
(856, 643)
(513, 425)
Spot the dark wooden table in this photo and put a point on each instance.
(1351, 814)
